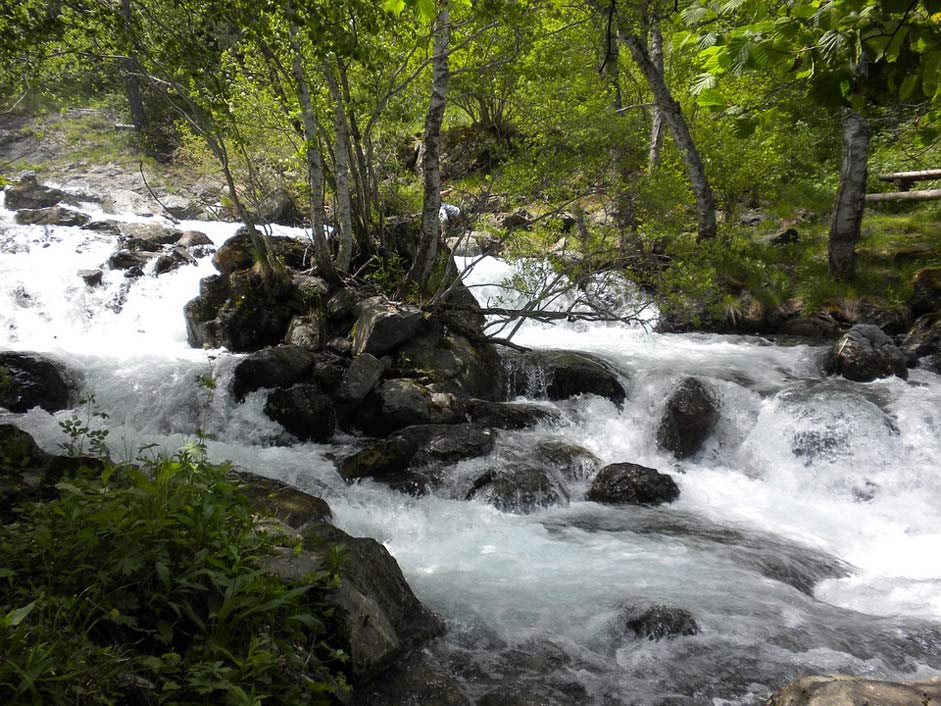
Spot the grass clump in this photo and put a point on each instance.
(146, 586)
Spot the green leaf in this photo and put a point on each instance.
(18, 615)
(426, 8)
(394, 6)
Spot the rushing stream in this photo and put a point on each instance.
(805, 540)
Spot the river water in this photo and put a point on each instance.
(805, 540)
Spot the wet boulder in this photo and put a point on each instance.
(175, 259)
(298, 510)
(857, 691)
(520, 489)
(509, 415)
(194, 239)
(448, 443)
(690, 416)
(416, 681)
(51, 216)
(559, 374)
(127, 259)
(632, 484)
(657, 621)
(242, 312)
(304, 411)
(29, 194)
(398, 403)
(923, 342)
(866, 353)
(279, 366)
(382, 325)
(573, 462)
(150, 233)
(30, 380)
(926, 292)
(382, 460)
(91, 278)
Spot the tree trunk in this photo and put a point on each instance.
(342, 172)
(851, 197)
(318, 219)
(624, 216)
(427, 250)
(131, 71)
(656, 126)
(673, 117)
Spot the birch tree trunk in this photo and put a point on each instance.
(656, 126)
(131, 71)
(673, 117)
(851, 197)
(314, 160)
(427, 250)
(342, 174)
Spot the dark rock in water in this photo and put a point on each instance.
(92, 278)
(382, 326)
(364, 372)
(448, 443)
(133, 273)
(18, 450)
(327, 372)
(864, 354)
(658, 621)
(236, 253)
(242, 312)
(52, 216)
(386, 459)
(521, 489)
(926, 292)
(304, 411)
(398, 403)
(28, 193)
(279, 207)
(891, 321)
(573, 462)
(631, 484)
(174, 260)
(688, 420)
(418, 681)
(923, 342)
(509, 415)
(857, 691)
(454, 363)
(280, 366)
(30, 380)
(151, 233)
(108, 227)
(193, 239)
(295, 508)
(819, 327)
(307, 331)
(558, 375)
(125, 260)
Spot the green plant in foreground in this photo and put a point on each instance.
(147, 586)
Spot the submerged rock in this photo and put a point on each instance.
(657, 621)
(382, 326)
(631, 484)
(30, 380)
(866, 353)
(857, 691)
(690, 416)
(304, 411)
(558, 375)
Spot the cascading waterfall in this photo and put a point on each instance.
(804, 541)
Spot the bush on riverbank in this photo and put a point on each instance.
(145, 585)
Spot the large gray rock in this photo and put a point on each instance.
(382, 326)
(28, 193)
(298, 510)
(126, 260)
(279, 207)
(236, 252)
(307, 331)
(360, 378)
(51, 216)
(304, 411)
(632, 484)
(152, 233)
(193, 239)
(509, 415)
(280, 366)
(923, 342)
(857, 691)
(398, 403)
(866, 353)
(559, 374)
(690, 416)
(572, 462)
(30, 380)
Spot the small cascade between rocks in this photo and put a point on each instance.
(804, 539)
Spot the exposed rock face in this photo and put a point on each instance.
(857, 691)
(236, 253)
(241, 312)
(521, 489)
(175, 259)
(509, 415)
(307, 331)
(296, 509)
(29, 380)
(657, 621)
(558, 375)
(382, 326)
(51, 216)
(360, 378)
(632, 484)
(398, 403)
(864, 354)
(28, 193)
(280, 366)
(304, 411)
(926, 291)
(923, 342)
(688, 420)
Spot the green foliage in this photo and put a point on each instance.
(146, 585)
